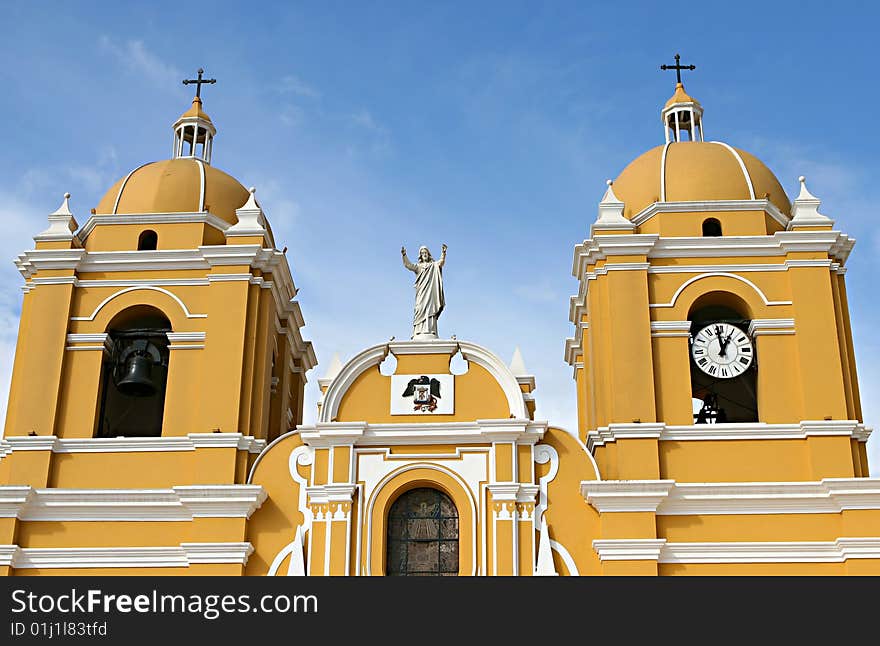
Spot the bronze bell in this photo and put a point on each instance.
(138, 379)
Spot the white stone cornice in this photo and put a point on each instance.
(761, 327)
(34, 260)
(7, 554)
(601, 247)
(708, 206)
(626, 495)
(186, 340)
(437, 346)
(189, 442)
(526, 380)
(221, 501)
(785, 265)
(733, 431)
(12, 499)
(829, 496)
(503, 491)
(98, 219)
(225, 255)
(183, 555)
(614, 432)
(629, 549)
(181, 503)
(835, 551)
(520, 431)
(528, 493)
(152, 260)
(670, 329)
(218, 552)
(573, 350)
(31, 442)
(204, 257)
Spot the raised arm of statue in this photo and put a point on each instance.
(406, 262)
(442, 260)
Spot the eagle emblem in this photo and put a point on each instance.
(425, 393)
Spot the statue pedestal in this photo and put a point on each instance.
(425, 336)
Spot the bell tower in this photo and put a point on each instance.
(712, 337)
(160, 341)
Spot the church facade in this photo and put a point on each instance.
(155, 412)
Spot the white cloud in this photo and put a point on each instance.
(294, 85)
(136, 58)
(364, 119)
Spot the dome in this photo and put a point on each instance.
(182, 185)
(696, 171)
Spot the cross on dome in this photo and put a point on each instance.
(194, 131)
(199, 81)
(677, 67)
(682, 114)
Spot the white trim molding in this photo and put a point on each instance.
(670, 329)
(835, 551)
(184, 555)
(189, 442)
(661, 551)
(182, 503)
(733, 431)
(668, 498)
(486, 431)
(763, 327)
(608, 496)
(629, 549)
(183, 217)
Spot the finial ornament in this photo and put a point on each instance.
(199, 82)
(678, 67)
(62, 225)
(430, 299)
(805, 210)
(610, 215)
(64, 209)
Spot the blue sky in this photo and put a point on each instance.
(488, 126)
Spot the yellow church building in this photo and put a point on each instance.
(155, 420)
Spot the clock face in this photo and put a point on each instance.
(722, 350)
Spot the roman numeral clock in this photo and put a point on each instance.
(722, 350)
(723, 373)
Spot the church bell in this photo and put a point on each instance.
(138, 377)
(135, 368)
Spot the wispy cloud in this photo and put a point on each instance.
(136, 58)
(365, 120)
(292, 84)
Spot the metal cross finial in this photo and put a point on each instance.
(678, 68)
(199, 81)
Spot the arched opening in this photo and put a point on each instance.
(134, 374)
(711, 227)
(148, 240)
(422, 534)
(723, 360)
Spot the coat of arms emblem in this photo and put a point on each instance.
(425, 393)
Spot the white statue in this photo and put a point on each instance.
(429, 292)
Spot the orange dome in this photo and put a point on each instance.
(696, 171)
(182, 185)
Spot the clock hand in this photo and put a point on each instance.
(722, 345)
